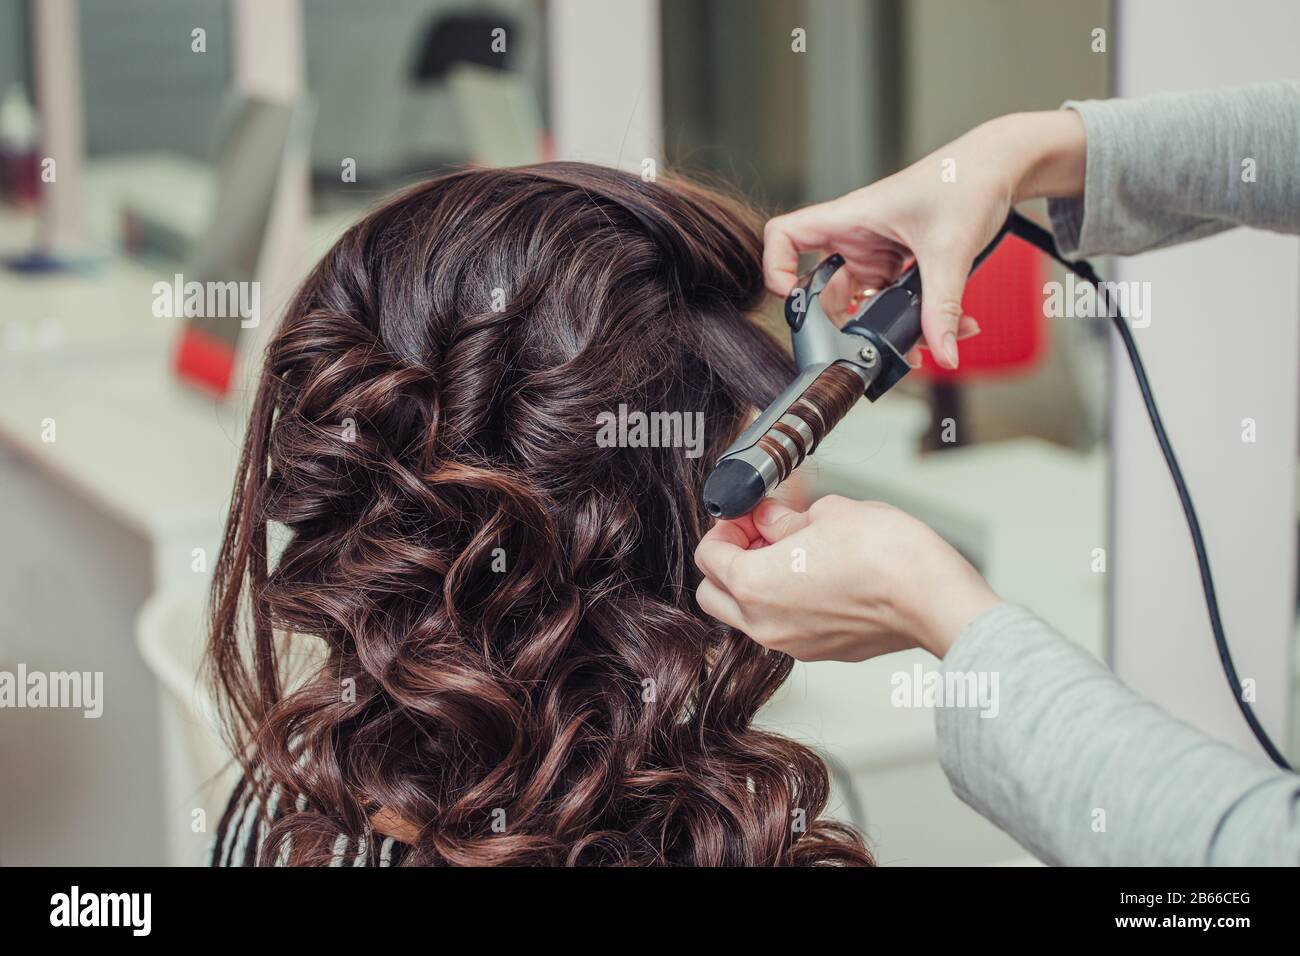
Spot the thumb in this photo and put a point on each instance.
(943, 278)
(775, 521)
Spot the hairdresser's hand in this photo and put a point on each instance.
(845, 580)
(943, 210)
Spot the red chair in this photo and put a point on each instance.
(1005, 295)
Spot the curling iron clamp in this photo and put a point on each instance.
(837, 366)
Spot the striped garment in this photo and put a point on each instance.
(244, 828)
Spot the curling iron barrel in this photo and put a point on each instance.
(747, 473)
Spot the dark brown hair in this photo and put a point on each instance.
(506, 608)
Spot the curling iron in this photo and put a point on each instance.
(838, 366)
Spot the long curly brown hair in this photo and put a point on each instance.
(513, 661)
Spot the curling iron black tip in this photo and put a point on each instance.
(733, 489)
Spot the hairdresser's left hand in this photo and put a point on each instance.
(845, 580)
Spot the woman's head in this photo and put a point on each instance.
(515, 664)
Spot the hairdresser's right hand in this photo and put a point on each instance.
(845, 580)
(943, 210)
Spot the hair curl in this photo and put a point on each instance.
(426, 412)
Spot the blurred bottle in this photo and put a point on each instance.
(19, 140)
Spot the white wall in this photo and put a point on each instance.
(605, 85)
(1204, 296)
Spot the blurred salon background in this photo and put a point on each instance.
(149, 142)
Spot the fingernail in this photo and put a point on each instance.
(950, 349)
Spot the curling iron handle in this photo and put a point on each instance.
(911, 277)
(892, 321)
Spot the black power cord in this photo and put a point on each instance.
(1041, 239)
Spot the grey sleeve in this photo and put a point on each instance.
(1174, 167)
(1082, 771)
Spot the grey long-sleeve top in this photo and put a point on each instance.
(1075, 765)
